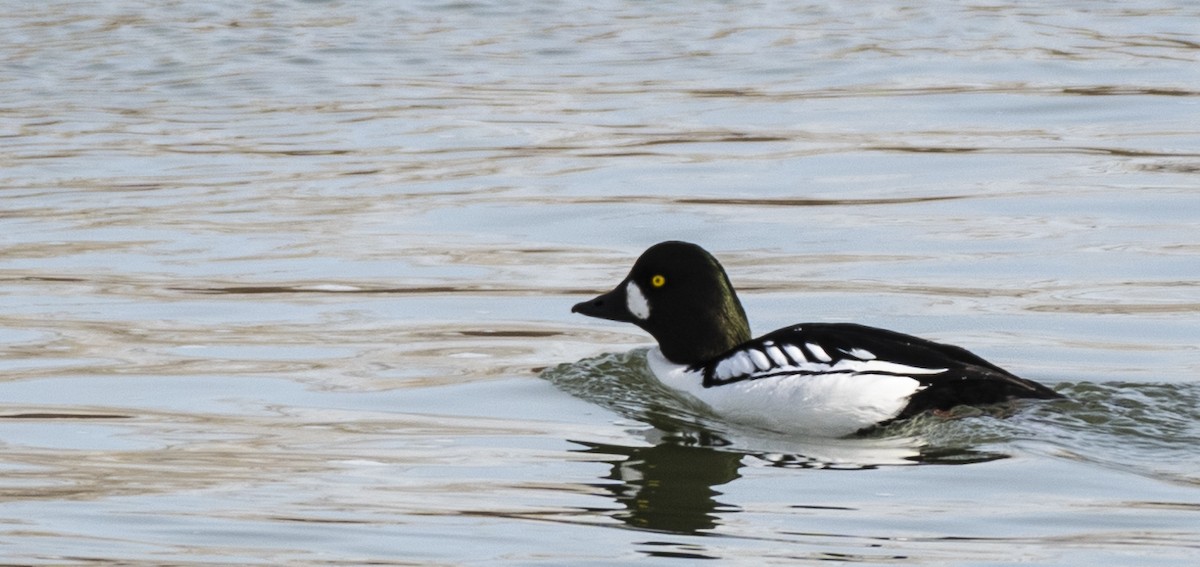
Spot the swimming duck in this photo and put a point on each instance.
(826, 379)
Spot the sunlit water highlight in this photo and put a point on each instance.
(288, 282)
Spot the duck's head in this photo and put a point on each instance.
(679, 294)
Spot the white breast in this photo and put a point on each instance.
(830, 404)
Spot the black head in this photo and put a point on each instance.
(679, 294)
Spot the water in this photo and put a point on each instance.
(290, 281)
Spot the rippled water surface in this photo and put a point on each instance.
(289, 282)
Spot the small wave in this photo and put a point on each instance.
(1150, 429)
(1146, 428)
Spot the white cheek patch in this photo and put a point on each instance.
(636, 302)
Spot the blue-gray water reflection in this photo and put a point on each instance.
(278, 279)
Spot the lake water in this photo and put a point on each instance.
(289, 282)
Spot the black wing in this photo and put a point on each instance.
(951, 375)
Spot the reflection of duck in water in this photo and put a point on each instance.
(669, 487)
(819, 378)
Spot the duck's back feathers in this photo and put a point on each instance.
(948, 375)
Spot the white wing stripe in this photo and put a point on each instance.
(760, 359)
(860, 354)
(868, 366)
(752, 364)
(771, 358)
(795, 353)
(818, 352)
(736, 365)
(777, 356)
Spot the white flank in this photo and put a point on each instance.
(636, 302)
(847, 397)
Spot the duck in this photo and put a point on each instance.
(818, 379)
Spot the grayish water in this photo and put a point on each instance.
(290, 281)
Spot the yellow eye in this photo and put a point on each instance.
(658, 280)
